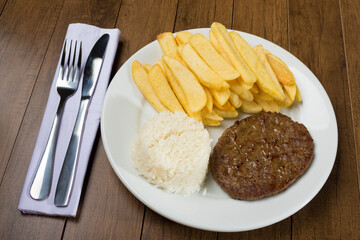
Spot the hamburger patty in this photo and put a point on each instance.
(261, 155)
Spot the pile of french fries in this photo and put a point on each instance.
(210, 79)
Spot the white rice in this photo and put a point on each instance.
(172, 152)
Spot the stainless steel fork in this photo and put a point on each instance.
(66, 84)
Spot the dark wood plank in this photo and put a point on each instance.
(13, 224)
(224, 12)
(2, 5)
(266, 19)
(277, 231)
(200, 14)
(158, 227)
(26, 29)
(190, 14)
(316, 39)
(351, 26)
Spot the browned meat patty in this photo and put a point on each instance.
(261, 155)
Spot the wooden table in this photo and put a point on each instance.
(322, 34)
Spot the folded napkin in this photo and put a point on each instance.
(88, 35)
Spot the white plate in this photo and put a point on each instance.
(125, 110)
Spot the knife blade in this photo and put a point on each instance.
(91, 74)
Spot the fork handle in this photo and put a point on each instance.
(41, 184)
(67, 174)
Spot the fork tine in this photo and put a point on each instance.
(78, 65)
(72, 65)
(62, 63)
(66, 71)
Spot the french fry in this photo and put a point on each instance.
(244, 84)
(179, 49)
(264, 80)
(267, 52)
(163, 90)
(291, 91)
(196, 115)
(178, 57)
(140, 78)
(210, 122)
(254, 89)
(226, 114)
(282, 71)
(207, 52)
(243, 93)
(263, 96)
(231, 52)
(210, 79)
(168, 44)
(250, 107)
(260, 52)
(204, 73)
(180, 60)
(209, 101)
(217, 46)
(298, 95)
(211, 115)
(193, 91)
(176, 87)
(147, 67)
(183, 37)
(220, 96)
(226, 107)
(290, 95)
(235, 100)
(268, 106)
(288, 88)
(161, 64)
(286, 103)
(180, 94)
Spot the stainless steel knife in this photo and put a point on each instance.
(91, 74)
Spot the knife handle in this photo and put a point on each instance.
(67, 174)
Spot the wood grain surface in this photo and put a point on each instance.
(322, 34)
(317, 26)
(350, 25)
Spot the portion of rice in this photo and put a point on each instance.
(172, 152)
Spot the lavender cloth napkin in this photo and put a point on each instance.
(88, 35)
